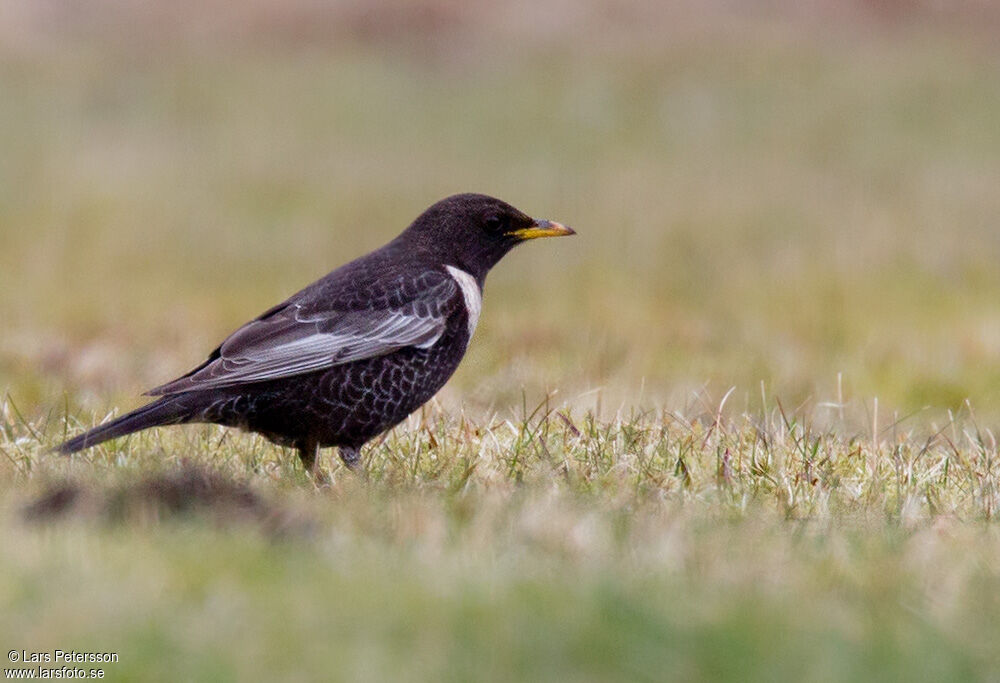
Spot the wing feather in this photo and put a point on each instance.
(300, 338)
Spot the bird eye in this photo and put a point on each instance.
(496, 223)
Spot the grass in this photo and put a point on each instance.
(740, 428)
(543, 546)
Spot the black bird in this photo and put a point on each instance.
(354, 353)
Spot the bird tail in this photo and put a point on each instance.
(165, 411)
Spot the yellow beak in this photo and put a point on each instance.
(543, 228)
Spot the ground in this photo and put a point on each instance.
(740, 428)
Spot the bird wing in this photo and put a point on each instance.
(303, 336)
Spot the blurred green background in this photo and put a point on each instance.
(764, 192)
(798, 200)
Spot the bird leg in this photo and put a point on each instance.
(308, 452)
(351, 457)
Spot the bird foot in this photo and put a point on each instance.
(351, 458)
(319, 475)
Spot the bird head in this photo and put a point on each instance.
(475, 231)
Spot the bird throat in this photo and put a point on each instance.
(471, 293)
